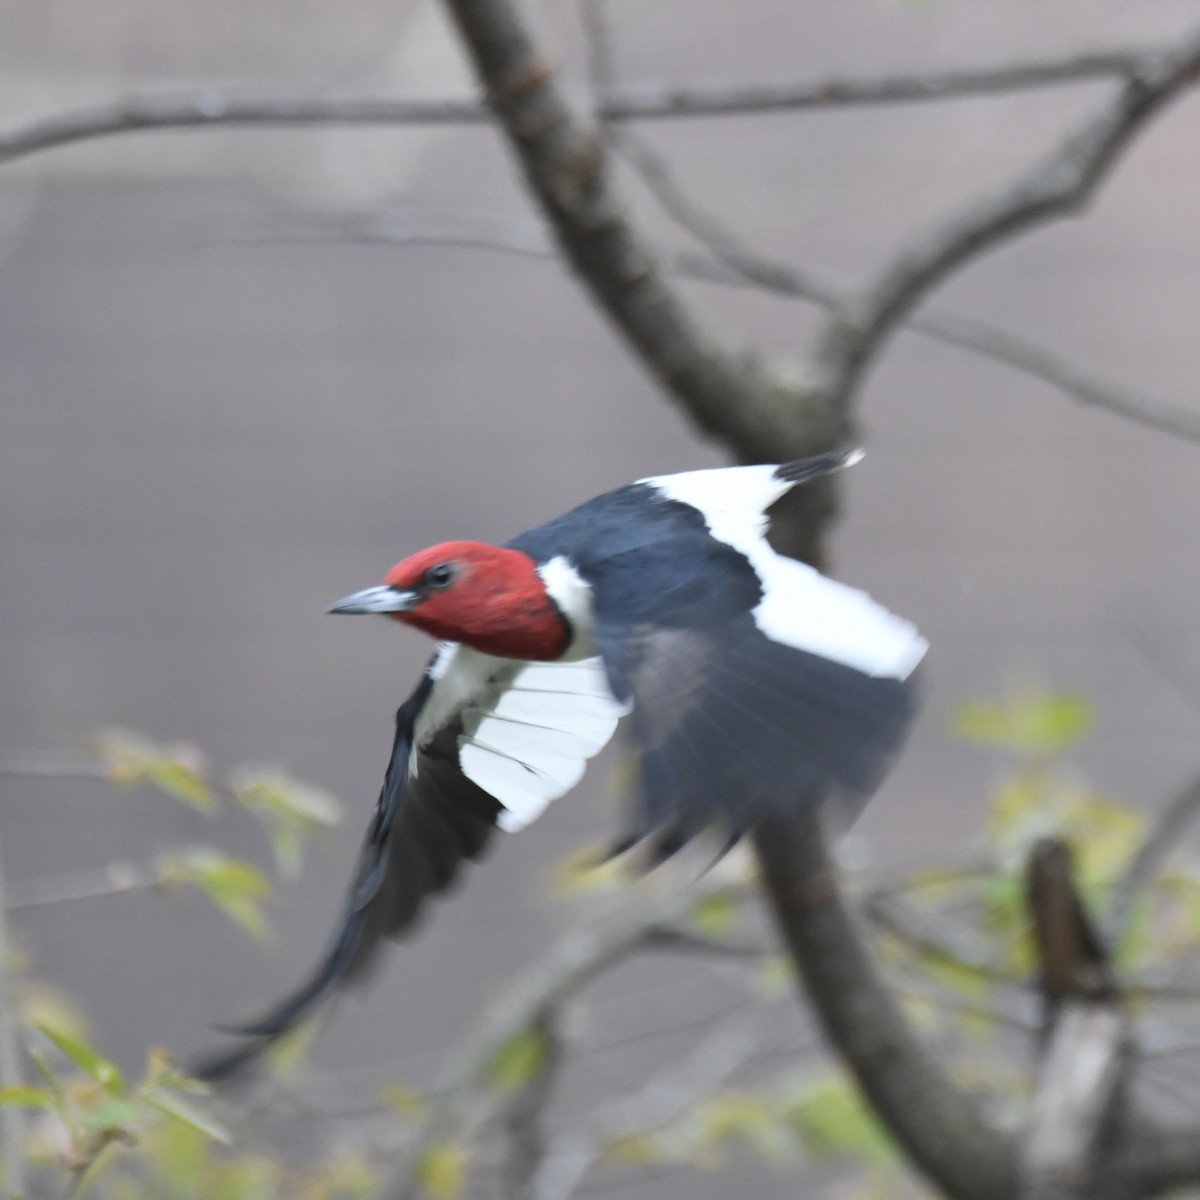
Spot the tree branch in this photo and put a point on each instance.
(736, 265)
(1079, 1088)
(660, 1103)
(525, 1143)
(676, 100)
(729, 394)
(116, 879)
(1161, 839)
(938, 1125)
(213, 107)
(1061, 183)
(467, 1099)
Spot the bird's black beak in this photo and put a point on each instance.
(380, 599)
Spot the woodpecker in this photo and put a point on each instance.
(748, 683)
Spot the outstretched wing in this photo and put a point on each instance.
(729, 726)
(755, 681)
(483, 743)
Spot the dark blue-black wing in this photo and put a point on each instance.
(728, 726)
(424, 827)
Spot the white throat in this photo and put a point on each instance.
(567, 589)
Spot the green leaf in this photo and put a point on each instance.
(403, 1099)
(234, 886)
(289, 810)
(112, 1116)
(519, 1061)
(715, 914)
(132, 759)
(25, 1097)
(443, 1171)
(180, 779)
(84, 1057)
(1031, 726)
(186, 1113)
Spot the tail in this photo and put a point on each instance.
(804, 469)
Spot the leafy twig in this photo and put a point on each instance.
(468, 1098)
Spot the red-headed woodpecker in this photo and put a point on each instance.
(749, 682)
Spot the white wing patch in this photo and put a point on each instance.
(528, 728)
(800, 607)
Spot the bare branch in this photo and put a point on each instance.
(1079, 1087)
(1062, 182)
(113, 880)
(1161, 839)
(467, 1100)
(743, 261)
(1081, 382)
(39, 768)
(661, 1103)
(930, 938)
(213, 107)
(673, 100)
(1082, 1079)
(525, 1148)
(939, 1126)
(730, 394)
(735, 264)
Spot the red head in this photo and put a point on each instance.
(487, 596)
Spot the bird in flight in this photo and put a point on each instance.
(748, 682)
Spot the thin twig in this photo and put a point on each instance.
(116, 879)
(525, 1140)
(661, 1103)
(739, 266)
(1079, 1088)
(213, 107)
(931, 938)
(733, 252)
(941, 1127)
(1161, 839)
(38, 768)
(467, 1098)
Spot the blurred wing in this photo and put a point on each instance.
(497, 741)
(730, 723)
(730, 726)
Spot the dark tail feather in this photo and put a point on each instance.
(804, 469)
(220, 1065)
(302, 1004)
(306, 998)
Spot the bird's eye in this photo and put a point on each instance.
(441, 576)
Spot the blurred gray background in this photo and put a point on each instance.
(209, 435)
